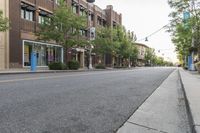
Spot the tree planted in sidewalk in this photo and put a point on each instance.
(116, 42)
(150, 57)
(104, 42)
(183, 31)
(4, 22)
(63, 27)
(127, 49)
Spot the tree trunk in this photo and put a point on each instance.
(104, 59)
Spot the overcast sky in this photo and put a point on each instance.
(145, 17)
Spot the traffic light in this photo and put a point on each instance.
(90, 1)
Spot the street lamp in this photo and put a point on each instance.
(91, 38)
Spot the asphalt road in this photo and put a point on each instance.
(80, 102)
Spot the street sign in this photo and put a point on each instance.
(186, 16)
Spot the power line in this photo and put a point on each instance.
(145, 38)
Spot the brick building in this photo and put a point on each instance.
(25, 16)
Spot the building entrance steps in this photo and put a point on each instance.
(163, 112)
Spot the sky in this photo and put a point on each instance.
(144, 17)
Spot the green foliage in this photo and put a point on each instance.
(4, 22)
(103, 41)
(63, 27)
(73, 65)
(100, 66)
(159, 61)
(57, 66)
(115, 41)
(150, 56)
(183, 31)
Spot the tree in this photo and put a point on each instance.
(159, 61)
(105, 42)
(117, 42)
(149, 57)
(127, 49)
(133, 53)
(63, 27)
(184, 31)
(4, 22)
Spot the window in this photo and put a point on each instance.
(81, 12)
(42, 16)
(83, 33)
(46, 53)
(104, 23)
(91, 17)
(27, 12)
(75, 9)
(99, 21)
(22, 13)
(114, 24)
(41, 19)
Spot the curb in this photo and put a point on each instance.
(115, 131)
(50, 71)
(191, 85)
(189, 113)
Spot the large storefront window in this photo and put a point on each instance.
(46, 53)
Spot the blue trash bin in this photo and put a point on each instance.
(33, 61)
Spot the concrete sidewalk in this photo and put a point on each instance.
(163, 112)
(191, 85)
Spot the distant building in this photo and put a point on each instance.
(142, 48)
(25, 16)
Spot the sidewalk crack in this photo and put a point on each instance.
(146, 127)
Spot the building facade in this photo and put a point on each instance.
(25, 16)
(142, 48)
(4, 38)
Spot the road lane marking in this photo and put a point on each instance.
(59, 76)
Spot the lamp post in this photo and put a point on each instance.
(91, 37)
(90, 56)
